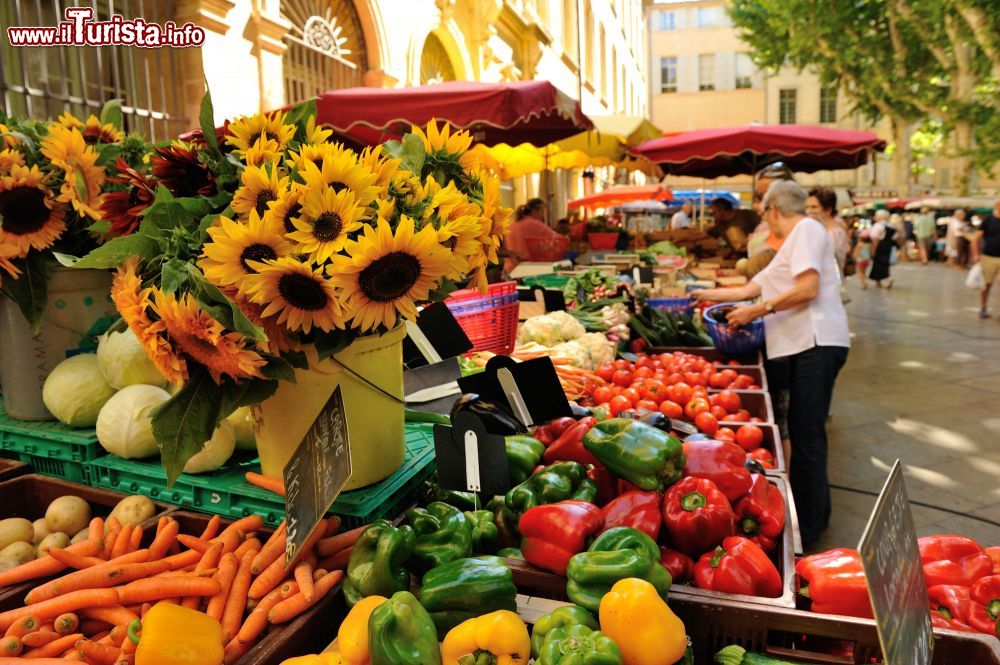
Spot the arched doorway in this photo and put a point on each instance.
(435, 63)
(326, 47)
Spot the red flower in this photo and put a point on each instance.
(179, 169)
(122, 209)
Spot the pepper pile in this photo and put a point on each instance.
(963, 581)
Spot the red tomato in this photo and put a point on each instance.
(632, 395)
(700, 391)
(744, 414)
(716, 380)
(707, 423)
(621, 363)
(654, 390)
(742, 382)
(718, 412)
(618, 404)
(734, 362)
(602, 394)
(622, 378)
(671, 409)
(643, 372)
(754, 387)
(749, 437)
(713, 399)
(730, 401)
(680, 393)
(644, 361)
(616, 390)
(647, 404)
(605, 371)
(695, 406)
(674, 378)
(695, 379)
(729, 375)
(755, 419)
(732, 418)
(725, 434)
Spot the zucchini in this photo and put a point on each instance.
(414, 416)
(734, 654)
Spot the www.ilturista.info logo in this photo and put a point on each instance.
(80, 29)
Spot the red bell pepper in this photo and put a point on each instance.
(760, 513)
(953, 560)
(569, 445)
(697, 515)
(553, 533)
(994, 554)
(551, 431)
(938, 621)
(950, 601)
(637, 509)
(721, 462)
(607, 484)
(835, 581)
(738, 566)
(764, 456)
(680, 565)
(984, 611)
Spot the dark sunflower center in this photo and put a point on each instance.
(338, 186)
(327, 227)
(389, 277)
(256, 252)
(23, 210)
(302, 291)
(293, 212)
(135, 197)
(263, 198)
(271, 136)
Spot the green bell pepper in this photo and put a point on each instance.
(376, 564)
(647, 457)
(467, 588)
(569, 645)
(524, 453)
(443, 534)
(461, 500)
(400, 632)
(485, 537)
(556, 482)
(511, 553)
(559, 618)
(616, 554)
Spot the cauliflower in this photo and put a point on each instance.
(598, 348)
(574, 352)
(550, 329)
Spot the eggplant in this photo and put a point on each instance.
(496, 417)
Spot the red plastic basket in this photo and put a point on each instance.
(493, 290)
(602, 240)
(547, 249)
(489, 321)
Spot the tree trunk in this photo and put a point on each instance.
(902, 157)
(962, 167)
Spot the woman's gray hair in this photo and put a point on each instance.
(788, 197)
(881, 215)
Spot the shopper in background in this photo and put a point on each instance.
(762, 239)
(926, 233)
(883, 237)
(962, 243)
(988, 243)
(899, 238)
(822, 206)
(734, 225)
(956, 232)
(682, 218)
(528, 225)
(863, 256)
(806, 324)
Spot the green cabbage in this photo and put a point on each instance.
(124, 362)
(124, 426)
(75, 391)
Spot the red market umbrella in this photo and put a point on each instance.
(621, 194)
(728, 151)
(532, 112)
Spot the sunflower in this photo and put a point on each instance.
(284, 209)
(387, 273)
(179, 169)
(133, 303)
(8, 252)
(200, 337)
(70, 121)
(443, 140)
(225, 260)
(264, 151)
(315, 153)
(9, 158)
(279, 340)
(8, 140)
(261, 185)
(383, 167)
(66, 149)
(408, 192)
(299, 294)
(29, 217)
(340, 170)
(124, 209)
(316, 134)
(94, 132)
(326, 220)
(244, 132)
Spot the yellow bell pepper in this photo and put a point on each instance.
(497, 638)
(640, 622)
(352, 638)
(175, 635)
(329, 658)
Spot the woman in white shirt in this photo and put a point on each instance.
(805, 323)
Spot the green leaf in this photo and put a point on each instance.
(67, 260)
(333, 342)
(21, 137)
(393, 148)
(298, 115)
(279, 368)
(206, 118)
(196, 206)
(296, 359)
(102, 226)
(31, 289)
(114, 252)
(183, 424)
(244, 393)
(222, 308)
(413, 154)
(111, 113)
(173, 275)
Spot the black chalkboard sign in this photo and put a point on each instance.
(316, 473)
(895, 575)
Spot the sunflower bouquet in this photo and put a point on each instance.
(55, 193)
(266, 246)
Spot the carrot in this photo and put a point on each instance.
(289, 589)
(211, 528)
(100, 653)
(273, 548)
(136, 540)
(304, 576)
(95, 530)
(234, 651)
(183, 560)
(256, 621)
(245, 525)
(39, 638)
(265, 483)
(290, 608)
(138, 556)
(209, 560)
(144, 590)
(330, 546)
(71, 560)
(23, 626)
(248, 544)
(91, 626)
(165, 537)
(47, 565)
(230, 540)
(112, 614)
(338, 561)
(228, 567)
(268, 579)
(70, 602)
(49, 627)
(101, 637)
(112, 529)
(98, 577)
(38, 661)
(236, 602)
(122, 541)
(193, 543)
(67, 623)
(11, 646)
(333, 525)
(54, 648)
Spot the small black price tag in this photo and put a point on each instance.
(552, 299)
(538, 397)
(469, 459)
(436, 335)
(315, 474)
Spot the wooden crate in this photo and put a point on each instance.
(713, 354)
(10, 468)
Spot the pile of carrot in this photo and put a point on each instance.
(101, 586)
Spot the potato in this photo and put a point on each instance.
(133, 510)
(22, 551)
(15, 530)
(67, 514)
(41, 530)
(82, 534)
(6, 563)
(57, 540)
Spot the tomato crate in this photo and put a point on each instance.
(226, 492)
(49, 447)
(753, 359)
(772, 443)
(756, 372)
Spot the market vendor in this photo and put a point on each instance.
(529, 225)
(806, 324)
(734, 225)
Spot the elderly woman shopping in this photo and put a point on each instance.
(804, 322)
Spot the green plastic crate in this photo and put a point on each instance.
(226, 491)
(552, 281)
(49, 447)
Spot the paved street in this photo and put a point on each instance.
(922, 383)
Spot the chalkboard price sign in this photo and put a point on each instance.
(315, 475)
(895, 575)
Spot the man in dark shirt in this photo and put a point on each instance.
(731, 224)
(988, 239)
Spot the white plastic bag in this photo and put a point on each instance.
(974, 280)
